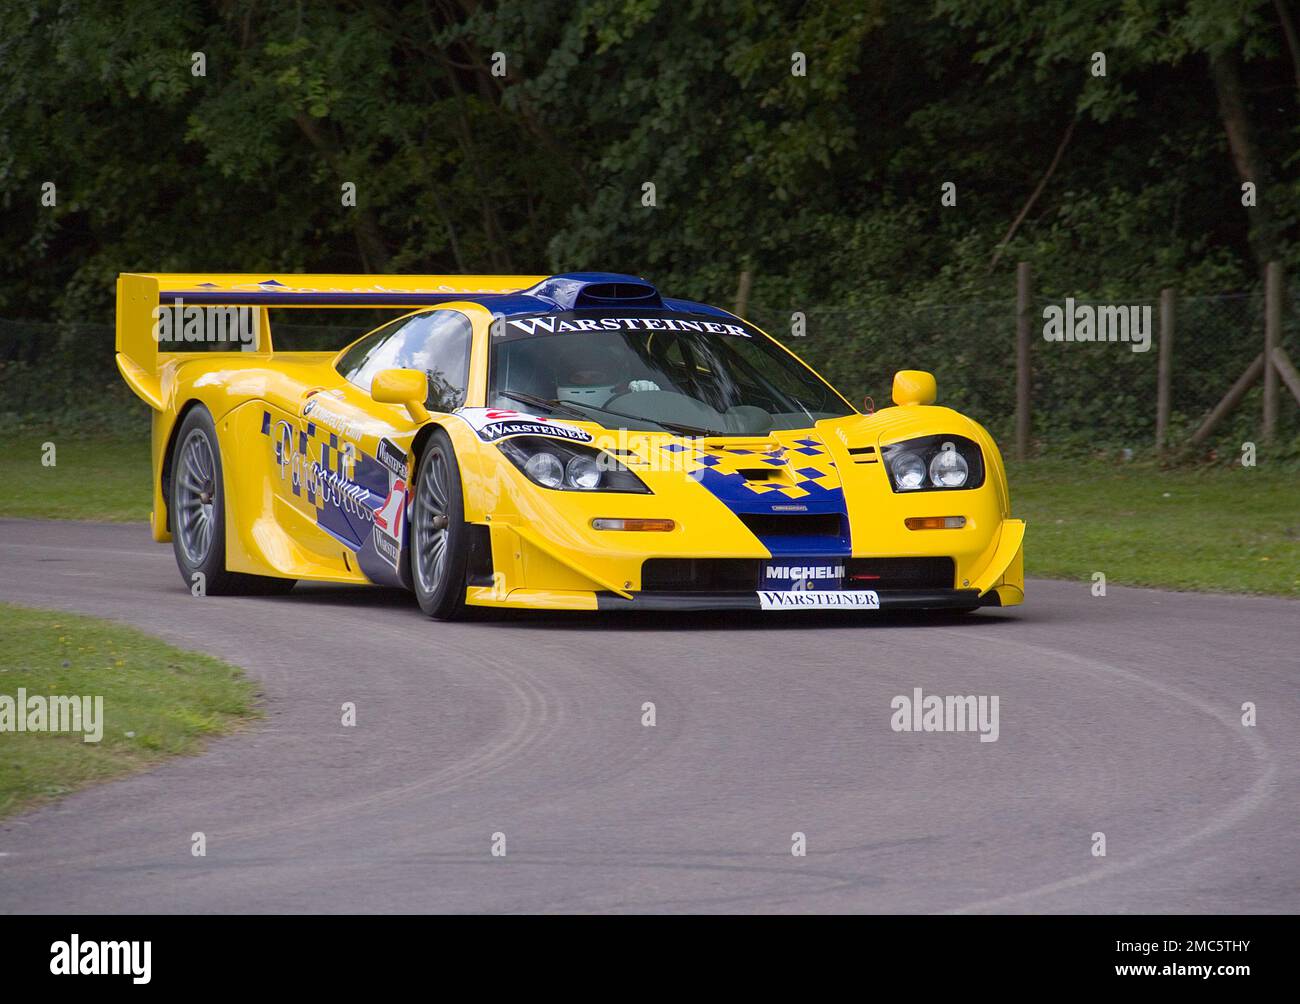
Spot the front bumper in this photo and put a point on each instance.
(996, 581)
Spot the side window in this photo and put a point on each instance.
(350, 363)
(436, 343)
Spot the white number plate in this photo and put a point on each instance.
(813, 599)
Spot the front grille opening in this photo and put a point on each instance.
(739, 575)
(700, 575)
(900, 573)
(828, 524)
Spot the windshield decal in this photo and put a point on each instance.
(554, 325)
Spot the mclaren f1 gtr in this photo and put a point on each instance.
(565, 442)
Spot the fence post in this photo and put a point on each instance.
(1272, 338)
(1022, 359)
(742, 292)
(1164, 366)
(1230, 400)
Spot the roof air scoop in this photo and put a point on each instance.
(577, 290)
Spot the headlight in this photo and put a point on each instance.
(934, 463)
(563, 466)
(582, 473)
(908, 470)
(545, 468)
(949, 469)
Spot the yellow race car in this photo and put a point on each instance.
(566, 442)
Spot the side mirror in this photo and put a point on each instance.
(914, 387)
(407, 387)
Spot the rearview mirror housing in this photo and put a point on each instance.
(914, 387)
(406, 387)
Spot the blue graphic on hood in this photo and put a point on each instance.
(778, 499)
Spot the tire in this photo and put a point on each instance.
(439, 537)
(196, 503)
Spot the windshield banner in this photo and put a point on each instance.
(557, 324)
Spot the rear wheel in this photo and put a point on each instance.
(439, 537)
(198, 514)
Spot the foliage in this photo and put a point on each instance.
(487, 137)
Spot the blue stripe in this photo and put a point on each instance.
(508, 304)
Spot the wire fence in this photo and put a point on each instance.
(1084, 394)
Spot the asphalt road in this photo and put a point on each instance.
(1118, 715)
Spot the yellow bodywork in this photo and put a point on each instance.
(545, 553)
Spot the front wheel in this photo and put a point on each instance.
(439, 537)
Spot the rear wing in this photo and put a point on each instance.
(154, 307)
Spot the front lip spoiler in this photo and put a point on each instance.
(890, 599)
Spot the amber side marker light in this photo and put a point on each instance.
(935, 522)
(657, 525)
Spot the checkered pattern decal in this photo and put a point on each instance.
(788, 473)
(314, 466)
(790, 467)
(798, 471)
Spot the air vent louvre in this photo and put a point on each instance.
(828, 524)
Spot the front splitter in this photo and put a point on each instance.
(892, 599)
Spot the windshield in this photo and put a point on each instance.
(691, 373)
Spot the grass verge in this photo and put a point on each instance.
(159, 701)
(1222, 529)
(97, 479)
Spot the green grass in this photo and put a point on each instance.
(98, 479)
(159, 701)
(1228, 529)
(1224, 529)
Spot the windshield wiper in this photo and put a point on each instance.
(541, 402)
(580, 411)
(685, 430)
